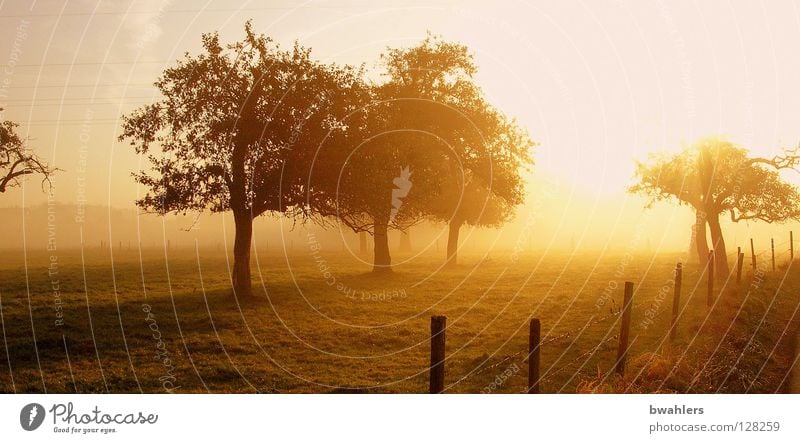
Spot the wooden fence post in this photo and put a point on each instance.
(624, 329)
(772, 243)
(710, 272)
(676, 301)
(753, 255)
(534, 340)
(738, 253)
(438, 327)
(739, 266)
(791, 245)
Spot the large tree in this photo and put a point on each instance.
(428, 118)
(236, 130)
(718, 178)
(17, 160)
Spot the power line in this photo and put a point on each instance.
(88, 99)
(115, 63)
(189, 11)
(87, 85)
(60, 105)
(75, 120)
(98, 123)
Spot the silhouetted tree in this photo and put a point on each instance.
(716, 177)
(16, 160)
(380, 178)
(487, 199)
(237, 130)
(699, 238)
(427, 117)
(475, 204)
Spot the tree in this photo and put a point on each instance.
(237, 129)
(467, 199)
(480, 207)
(717, 177)
(16, 160)
(378, 180)
(699, 238)
(426, 116)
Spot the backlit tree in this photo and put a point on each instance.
(718, 178)
(237, 130)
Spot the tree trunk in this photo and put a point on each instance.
(382, 261)
(405, 240)
(700, 240)
(241, 255)
(718, 244)
(452, 243)
(362, 243)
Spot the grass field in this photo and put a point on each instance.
(321, 323)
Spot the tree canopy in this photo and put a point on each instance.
(252, 128)
(237, 129)
(428, 117)
(716, 178)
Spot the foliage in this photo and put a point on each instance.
(430, 116)
(238, 126)
(716, 176)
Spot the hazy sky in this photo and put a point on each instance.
(597, 84)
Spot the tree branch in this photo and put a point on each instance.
(790, 160)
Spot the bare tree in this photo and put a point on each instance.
(16, 160)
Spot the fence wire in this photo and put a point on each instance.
(590, 323)
(546, 341)
(552, 373)
(582, 357)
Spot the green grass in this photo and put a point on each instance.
(302, 334)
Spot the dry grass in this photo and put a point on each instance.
(303, 335)
(746, 346)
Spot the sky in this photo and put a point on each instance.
(597, 84)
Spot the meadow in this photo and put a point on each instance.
(165, 321)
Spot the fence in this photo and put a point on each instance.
(535, 340)
(787, 251)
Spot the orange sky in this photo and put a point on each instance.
(597, 84)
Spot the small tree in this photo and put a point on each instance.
(716, 177)
(479, 206)
(468, 199)
(237, 129)
(16, 160)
